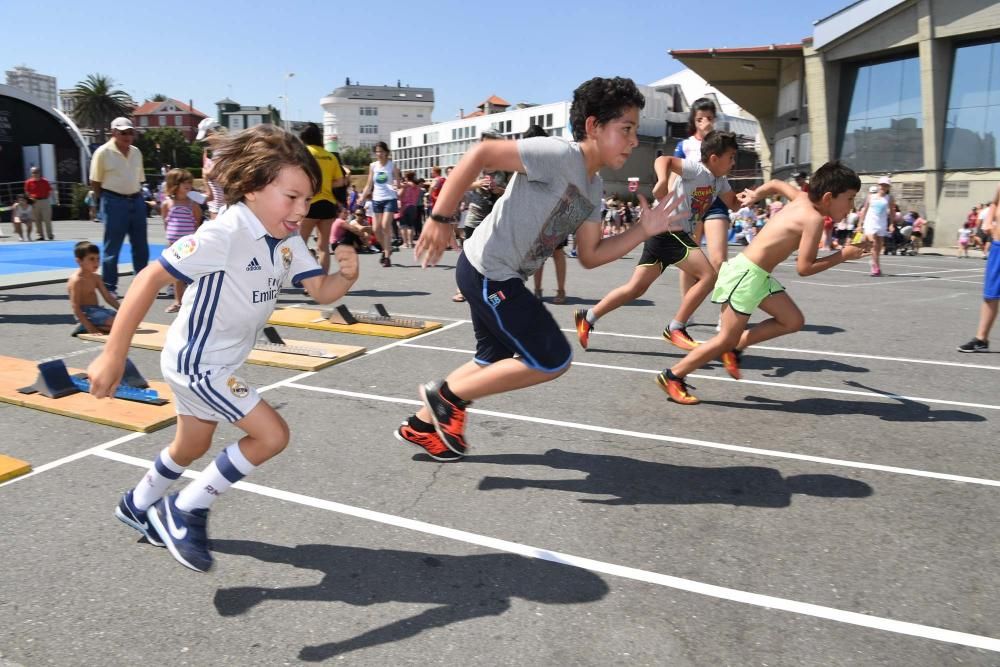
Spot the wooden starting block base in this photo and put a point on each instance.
(11, 467)
(152, 336)
(129, 415)
(314, 319)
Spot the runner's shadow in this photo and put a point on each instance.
(455, 588)
(822, 329)
(386, 293)
(907, 410)
(785, 367)
(37, 319)
(634, 482)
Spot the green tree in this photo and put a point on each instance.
(98, 102)
(356, 157)
(165, 145)
(159, 97)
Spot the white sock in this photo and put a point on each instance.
(229, 467)
(591, 318)
(154, 485)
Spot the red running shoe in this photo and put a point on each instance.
(731, 362)
(449, 419)
(583, 327)
(680, 338)
(429, 442)
(676, 389)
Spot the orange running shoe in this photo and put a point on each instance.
(431, 442)
(449, 419)
(680, 338)
(731, 362)
(583, 327)
(676, 389)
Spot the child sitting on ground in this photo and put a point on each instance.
(22, 216)
(83, 287)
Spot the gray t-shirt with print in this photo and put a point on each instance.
(699, 187)
(539, 209)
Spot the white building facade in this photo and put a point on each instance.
(42, 86)
(443, 144)
(359, 116)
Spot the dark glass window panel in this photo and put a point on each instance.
(972, 123)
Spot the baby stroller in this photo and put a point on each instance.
(901, 242)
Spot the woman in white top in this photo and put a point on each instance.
(383, 179)
(874, 215)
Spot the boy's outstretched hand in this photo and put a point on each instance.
(852, 251)
(747, 197)
(664, 217)
(347, 260)
(434, 238)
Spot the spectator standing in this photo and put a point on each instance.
(875, 215)
(215, 198)
(39, 191)
(324, 205)
(116, 177)
(383, 179)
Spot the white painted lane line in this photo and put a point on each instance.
(765, 383)
(672, 439)
(601, 567)
(815, 353)
(73, 457)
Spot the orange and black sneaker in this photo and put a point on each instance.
(731, 362)
(676, 388)
(680, 338)
(583, 327)
(449, 419)
(431, 442)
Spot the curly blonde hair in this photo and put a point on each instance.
(249, 160)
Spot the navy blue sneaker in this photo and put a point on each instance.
(134, 517)
(183, 532)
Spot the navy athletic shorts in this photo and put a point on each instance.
(509, 321)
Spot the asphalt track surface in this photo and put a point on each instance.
(836, 507)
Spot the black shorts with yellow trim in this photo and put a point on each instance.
(666, 249)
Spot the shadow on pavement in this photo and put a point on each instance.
(456, 588)
(634, 482)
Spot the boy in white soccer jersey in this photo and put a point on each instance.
(235, 269)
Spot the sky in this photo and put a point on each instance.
(466, 51)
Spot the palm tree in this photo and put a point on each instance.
(98, 103)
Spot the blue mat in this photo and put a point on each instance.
(52, 256)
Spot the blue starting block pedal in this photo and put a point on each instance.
(54, 381)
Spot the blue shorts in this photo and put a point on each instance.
(509, 321)
(991, 283)
(385, 206)
(98, 315)
(718, 209)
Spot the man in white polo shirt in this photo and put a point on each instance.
(116, 177)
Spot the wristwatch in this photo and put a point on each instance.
(437, 217)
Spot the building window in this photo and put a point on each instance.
(178, 121)
(956, 189)
(236, 122)
(368, 129)
(162, 120)
(548, 120)
(882, 123)
(369, 111)
(972, 124)
(144, 121)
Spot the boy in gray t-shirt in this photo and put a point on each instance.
(555, 191)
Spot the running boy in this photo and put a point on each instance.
(555, 191)
(235, 269)
(83, 287)
(745, 281)
(991, 284)
(700, 183)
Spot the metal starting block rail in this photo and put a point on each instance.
(275, 343)
(377, 314)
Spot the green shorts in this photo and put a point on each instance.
(743, 285)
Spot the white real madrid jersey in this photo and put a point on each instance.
(234, 271)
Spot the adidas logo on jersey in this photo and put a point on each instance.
(254, 265)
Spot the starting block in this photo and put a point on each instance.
(376, 322)
(54, 381)
(144, 409)
(295, 354)
(11, 468)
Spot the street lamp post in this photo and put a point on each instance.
(288, 76)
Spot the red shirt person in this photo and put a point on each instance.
(38, 189)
